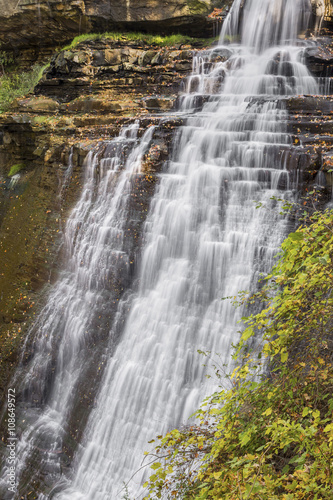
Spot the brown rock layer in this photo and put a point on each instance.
(46, 23)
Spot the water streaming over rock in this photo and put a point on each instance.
(78, 311)
(204, 239)
(261, 23)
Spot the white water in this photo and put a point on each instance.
(70, 322)
(204, 239)
(264, 23)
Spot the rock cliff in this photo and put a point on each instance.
(42, 23)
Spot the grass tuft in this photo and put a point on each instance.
(147, 39)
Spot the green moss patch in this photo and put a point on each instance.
(197, 7)
(15, 169)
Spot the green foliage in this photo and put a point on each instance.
(271, 435)
(146, 39)
(17, 85)
(6, 59)
(15, 169)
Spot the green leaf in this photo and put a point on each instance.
(284, 357)
(306, 411)
(245, 438)
(324, 260)
(155, 466)
(296, 236)
(267, 412)
(285, 469)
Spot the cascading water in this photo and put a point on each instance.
(78, 311)
(262, 23)
(204, 239)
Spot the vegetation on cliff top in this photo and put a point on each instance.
(271, 435)
(15, 84)
(144, 38)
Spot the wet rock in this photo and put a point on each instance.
(320, 59)
(309, 104)
(220, 54)
(286, 69)
(155, 157)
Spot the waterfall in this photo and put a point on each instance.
(78, 311)
(262, 23)
(204, 239)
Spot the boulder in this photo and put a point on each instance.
(36, 105)
(319, 59)
(147, 57)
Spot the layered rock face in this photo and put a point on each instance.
(85, 97)
(37, 24)
(49, 22)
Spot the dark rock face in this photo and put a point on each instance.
(310, 157)
(40, 23)
(319, 59)
(45, 23)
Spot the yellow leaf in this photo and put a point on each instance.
(284, 357)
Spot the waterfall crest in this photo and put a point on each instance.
(263, 23)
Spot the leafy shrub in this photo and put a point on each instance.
(17, 85)
(271, 435)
